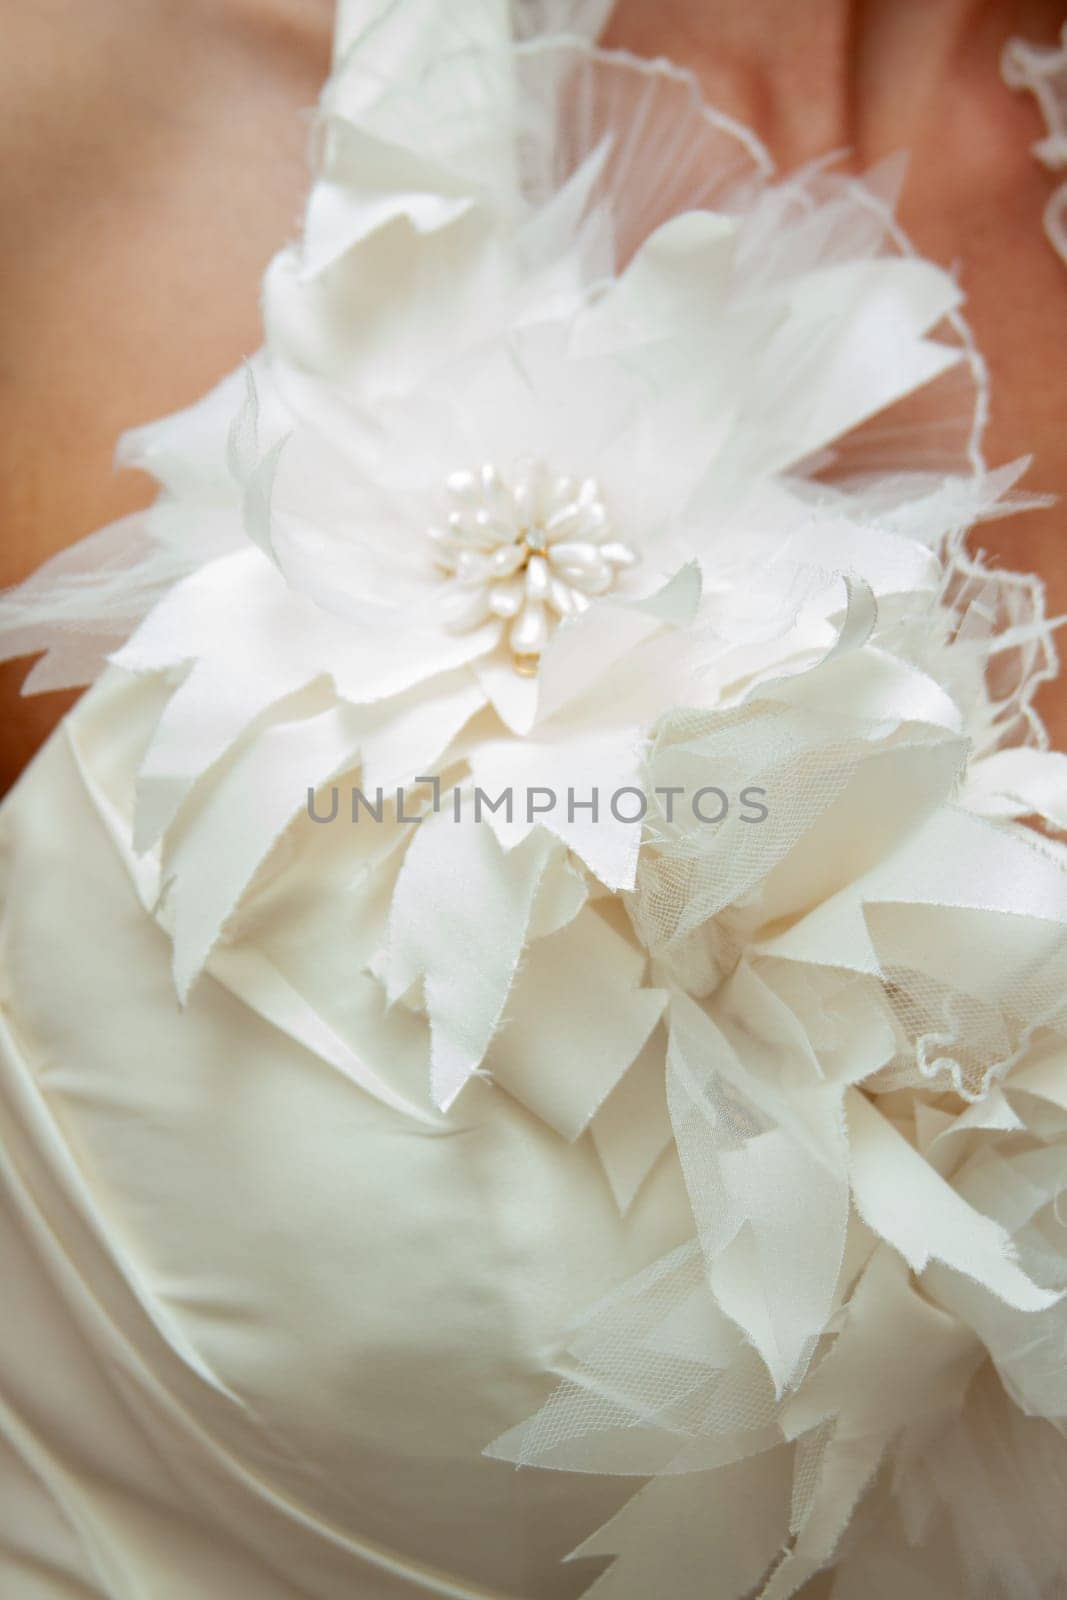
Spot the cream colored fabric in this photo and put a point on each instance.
(258, 1327)
(345, 1167)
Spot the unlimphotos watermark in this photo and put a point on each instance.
(672, 804)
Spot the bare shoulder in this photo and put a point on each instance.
(152, 159)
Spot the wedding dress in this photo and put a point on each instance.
(706, 1167)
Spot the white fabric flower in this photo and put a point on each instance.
(552, 479)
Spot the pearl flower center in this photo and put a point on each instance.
(531, 549)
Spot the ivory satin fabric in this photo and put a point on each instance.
(341, 1169)
(258, 1327)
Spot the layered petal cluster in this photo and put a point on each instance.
(585, 461)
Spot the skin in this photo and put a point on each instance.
(152, 159)
(154, 154)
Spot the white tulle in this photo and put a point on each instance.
(1043, 71)
(842, 1030)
